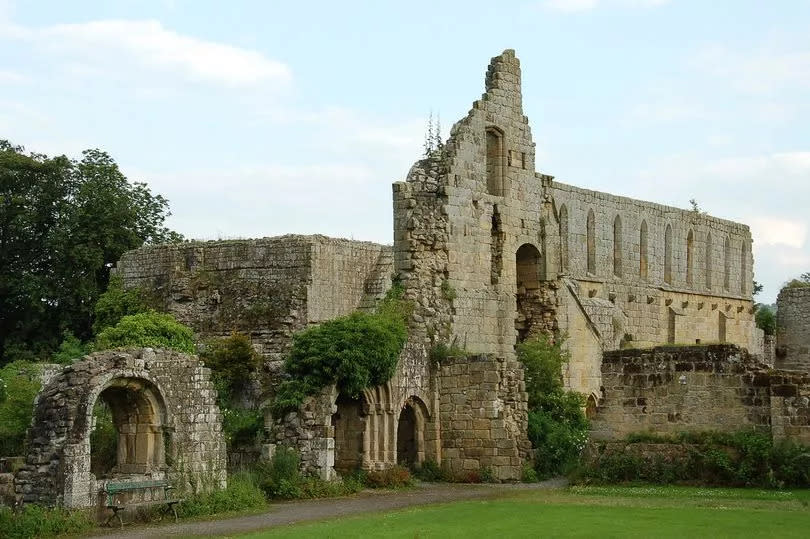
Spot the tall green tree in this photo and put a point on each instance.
(63, 224)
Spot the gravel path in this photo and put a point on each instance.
(367, 501)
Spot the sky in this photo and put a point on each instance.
(264, 118)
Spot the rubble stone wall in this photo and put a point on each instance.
(667, 390)
(793, 329)
(177, 434)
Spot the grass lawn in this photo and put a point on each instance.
(686, 513)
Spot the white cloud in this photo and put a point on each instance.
(579, 6)
(666, 112)
(778, 231)
(97, 46)
(11, 77)
(761, 71)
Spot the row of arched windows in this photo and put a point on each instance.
(643, 264)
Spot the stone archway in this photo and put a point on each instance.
(139, 418)
(156, 396)
(411, 432)
(529, 298)
(349, 423)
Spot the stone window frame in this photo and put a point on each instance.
(495, 182)
(590, 242)
(563, 222)
(668, 273)
(617, 246)
(690, 258)
(643, 251)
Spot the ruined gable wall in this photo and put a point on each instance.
(267, 288)
(649, 303)
(793, 329)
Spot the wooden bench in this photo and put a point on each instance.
(113, 489)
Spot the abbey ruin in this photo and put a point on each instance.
(490, 251)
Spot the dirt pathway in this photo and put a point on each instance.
(301, 511)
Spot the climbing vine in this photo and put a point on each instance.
(354, 352)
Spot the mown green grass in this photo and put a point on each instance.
(586, 512)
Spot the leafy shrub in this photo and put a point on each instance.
(355, 352)
(558, 428)
(242, 427)
(765, 319)
(232, 361)
(441, 351)
(393, 477)
(36, 521)
(528, 474)
(70, 349)
(430, 471)
(280, 478)
(746, 458)
(242, 493)
(103, 440)
(149, 329)
(19, 385)
(115, 303)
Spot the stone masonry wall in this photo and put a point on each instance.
(793, 329)
(186, 416)
(698, 388)
(695, 305)
(267, 288)
(483, 415)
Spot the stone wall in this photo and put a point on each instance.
(793, 329)
(168, 422)
(267, 288)
(483, 414)
(704, 296)
(667, 390)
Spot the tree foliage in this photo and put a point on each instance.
(801, 282)
(355, 352)
(63, 224)
(557, 424)
(149, 329)
(19, 384)
(766, 319)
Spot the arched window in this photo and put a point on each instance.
(642, 251)
(563, 238)
(709, 257)
(727, 265)
(744, 268)
(495, 161)
(668, 255)
(591, 242)
(690, 257)
(617, 246)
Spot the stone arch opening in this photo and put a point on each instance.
(590, 232)
(528, 272)
(668, 255)
(495, 161)
(617, 246)
(642, 248)
(690, 258)
(138, 417)
(744, 268)
(496, 246)
(709, 255)
(349, 424)
(591, 407)
(411, 432)
(563, 238)
(727, 265)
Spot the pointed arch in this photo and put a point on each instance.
(727, 265)
(590, 226)
(617, 246)
(564, 238)
(668, 255)
(643, 262)
(744, 268)
(690, 258)
(709, 256)
(495, 161)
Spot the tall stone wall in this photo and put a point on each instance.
(704, 295)
(267, 288)
(793, 329)
(667, 390)
(483, 414)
